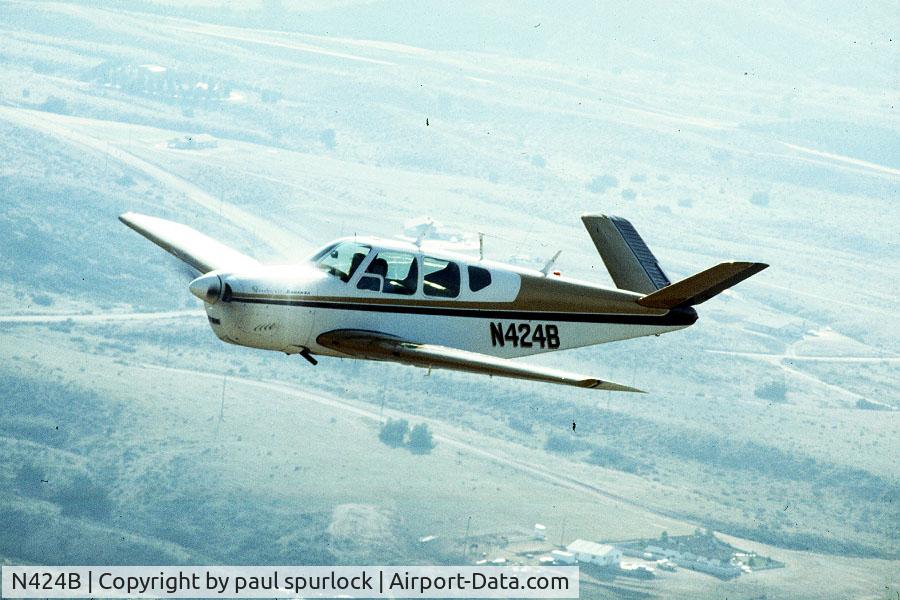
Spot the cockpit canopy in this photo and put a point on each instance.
(392, 271)
(342, 259)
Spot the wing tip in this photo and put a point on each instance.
(599, 384)
(131, 219)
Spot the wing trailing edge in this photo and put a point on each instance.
(198, 250)
(378, 346)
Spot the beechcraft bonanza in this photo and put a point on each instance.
(387, 300)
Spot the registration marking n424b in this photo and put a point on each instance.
(523, 335)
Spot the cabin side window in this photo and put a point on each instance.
(342, 260)
(479, 278)
(391, 273)
(441, 278)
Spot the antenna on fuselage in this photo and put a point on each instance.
(550, 263)
(424, 233)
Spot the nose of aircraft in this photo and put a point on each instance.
(207, 287)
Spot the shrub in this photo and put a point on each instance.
(519, 424)
(84, 498)
(563, 444)
(42, 299)
(55, 104)
(270, 96)
(420, 439)
(393, 433)
(601, 183)
(613, 459)
(775, 391)
(28, 479)
(328, 139)
(760, 198)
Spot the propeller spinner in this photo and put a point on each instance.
(207, 287)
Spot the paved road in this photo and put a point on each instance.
(795, 358)
(68, 128)
(103, 317)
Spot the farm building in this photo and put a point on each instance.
(562, 557)
(594, 553)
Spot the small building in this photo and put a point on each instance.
(635, 570)
(596, 554)
(193, 142)
(666, 565)
(540, 531)
(562, 557)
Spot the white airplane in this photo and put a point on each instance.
(380, 299)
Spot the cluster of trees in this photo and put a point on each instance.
(79, 496)
(603, 456)
(55, 104)
(161, 82)
(601, 183)
(396, 433)
(563, 444)
(775, 391)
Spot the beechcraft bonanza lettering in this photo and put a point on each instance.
(387, 300)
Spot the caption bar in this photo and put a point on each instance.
(277, 582)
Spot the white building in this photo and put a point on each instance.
(540, 531)
(193, 142)
(594, 553)
(562, 557)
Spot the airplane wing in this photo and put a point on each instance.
(378, 346)
(196, 249)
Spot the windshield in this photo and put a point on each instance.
(343, 259)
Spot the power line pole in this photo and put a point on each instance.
(221, 406)
(466, 538)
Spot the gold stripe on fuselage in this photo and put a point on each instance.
(537, 294)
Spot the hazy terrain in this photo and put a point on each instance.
(720, 133)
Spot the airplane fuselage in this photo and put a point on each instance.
(432, 297)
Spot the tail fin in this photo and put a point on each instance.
(702, 286)
(627, 258)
